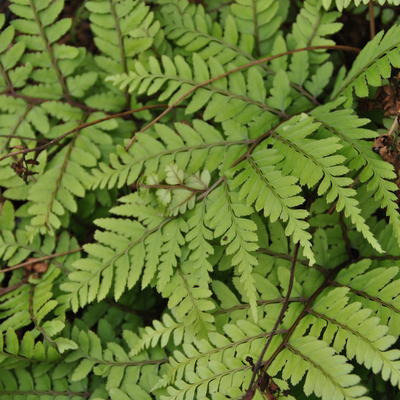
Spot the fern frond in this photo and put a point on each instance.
(327, 374)
(351, 327)
(192, 148)
(261, 20)
(239, 96)
(265, 187)
(65, 177)
(111, 361)
(12, 75)
(160, 333)
(190, 27)
(54, 63)
(341, 4)
(373, 64)
(375, 289)
(318, 160)
(122, 29)
(313, 25)
(376, 173)
(124, 252)
(224, 216)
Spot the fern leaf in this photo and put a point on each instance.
(378, 295)
(313, 25)
(225, 217)
(264, 186)
(363, 337)
(326, 373)
(175, 78)
(376, 173)
(341, 4)
(190, 27)
(260, 19)
(64, 179)
(321, 162)
(374, 62)
(192, 149)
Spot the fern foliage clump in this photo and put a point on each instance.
(199, 200)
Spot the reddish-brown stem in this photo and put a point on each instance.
(372, 28)
(259, 365)
(232, 71)
(261, 303)
(82, 126)
(167, 187)
(39, 259)
(9, 289)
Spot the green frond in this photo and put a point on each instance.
(192, 147)
(261, 19)
(124, 253)
(112, 362)
(375, 289)
(39, 30)
(122, 29)
(267, 189)
(373, 64)
(11, 52)
(353, 329)
(239, 225)
(41, 381)
(218, 362)
(240, 96)
(190, 27)
(326, 373)
(341, 4)
(312, 160)
(375, 173)
(313, 27)
(65, 177)
(224, 216)
(159, 334)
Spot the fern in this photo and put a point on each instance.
(230, 233)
